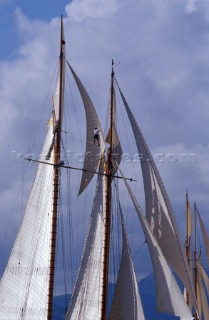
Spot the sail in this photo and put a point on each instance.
(86, 298)
(126, 301)
(93, 150)
(205, 236)
(202, 277)
(189, 223)
(24, 285)
(205, 277)
(159, 211)
(169, 297)
(116, 150)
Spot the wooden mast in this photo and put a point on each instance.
(107, 213)
(57, 149)
(195, 254)
(188, 218)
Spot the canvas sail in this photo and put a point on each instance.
(24, 285)
(86, 298)
(205, 277)
(205, 236)
(126, 302)
(93, 150)
(159, 211)
(116, 150)
(169, 297)
(202, 277)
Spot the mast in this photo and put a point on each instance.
(56, 184)
(108, 198)
(188, 235)
(195, 254)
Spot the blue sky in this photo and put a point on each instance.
(33, 10)
(163, 49)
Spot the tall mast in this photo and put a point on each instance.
(58, 123)
(107, 216)
(195, 253)
(188, 235)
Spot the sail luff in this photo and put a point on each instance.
(205, 235)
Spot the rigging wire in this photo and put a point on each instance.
(128, 144)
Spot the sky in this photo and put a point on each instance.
(161, 49)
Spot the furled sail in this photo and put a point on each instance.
(126, 301)
(169, 297)
(24, 285)
(117, 150)
(93, 150)
(86, 298)
(205, 236)
(159, 211)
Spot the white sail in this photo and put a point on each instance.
(159, 211)
(126, 301)
(116, 150)
(24, 285)
(202, 276)
(93, 150)
(205, 278)
(169, 297)
(205, 236)
(86, 298)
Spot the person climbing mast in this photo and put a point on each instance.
(96, 136)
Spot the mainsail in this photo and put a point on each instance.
(159, 211)
(24, 285)
(126, 301)
(86, 298)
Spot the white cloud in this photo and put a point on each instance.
(192, 5)
(82, 9)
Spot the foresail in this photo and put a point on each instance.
(202, 277)
(94, 149)
(86, 298)
(205, 236)
(24, 285)
(159, 211)
(205, 277)
(169, 297)
(126, 301)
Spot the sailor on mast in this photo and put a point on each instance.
(96, 136)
